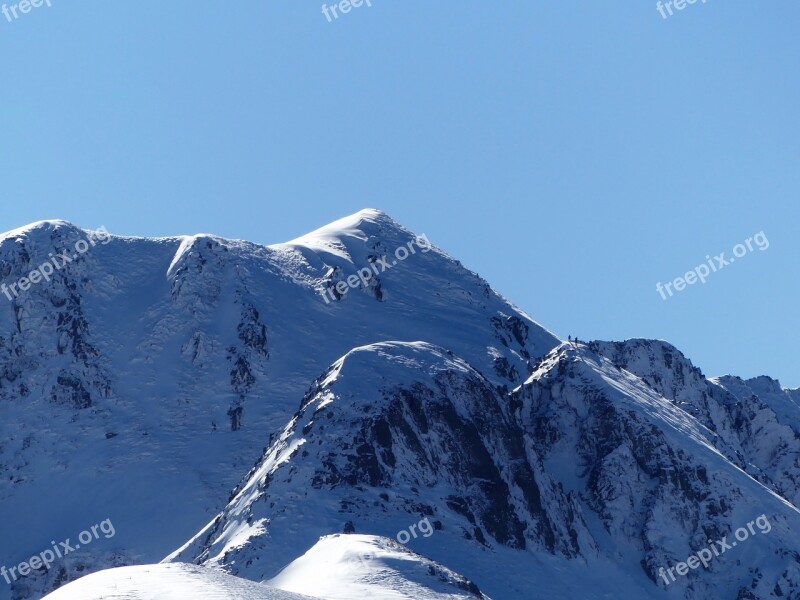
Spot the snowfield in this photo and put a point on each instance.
(339, 567)
(167, 582)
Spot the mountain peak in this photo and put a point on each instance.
(765, 383)
(40, 228)
(363, 225)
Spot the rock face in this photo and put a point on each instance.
(653, 473)
(391, 434)
(754, 423)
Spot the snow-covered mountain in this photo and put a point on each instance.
(394, 433)
(146, 376)
(404, 420)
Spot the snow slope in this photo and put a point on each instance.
(362, 567)
(339, 567)
(167, 582)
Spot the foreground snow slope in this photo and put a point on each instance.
(168, 582)
(339, 567)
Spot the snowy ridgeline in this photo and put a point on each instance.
(376, 390)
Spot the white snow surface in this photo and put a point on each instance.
(168, 582)
(364, 567)
(338, 567)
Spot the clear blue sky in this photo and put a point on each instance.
(573, 153)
